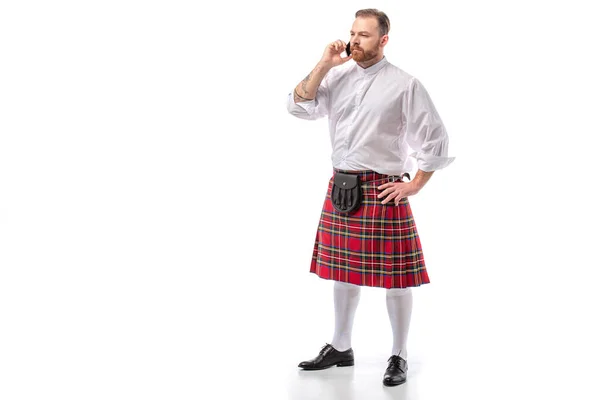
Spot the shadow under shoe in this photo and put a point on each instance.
(328, 357)
(395, 374)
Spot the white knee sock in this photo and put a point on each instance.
(399, 305)
(345, 301)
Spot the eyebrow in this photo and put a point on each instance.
(360, 32)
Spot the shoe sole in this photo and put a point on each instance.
(341, 364)
(394, 384)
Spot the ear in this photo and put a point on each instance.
(384, 39)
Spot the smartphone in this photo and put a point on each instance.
(348, 52)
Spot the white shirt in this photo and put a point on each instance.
(380, 119)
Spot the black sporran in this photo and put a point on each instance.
(346, 193)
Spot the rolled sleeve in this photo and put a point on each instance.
(302, 109)
(313, 109)
(425, 131)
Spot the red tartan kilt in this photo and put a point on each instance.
(377, 245)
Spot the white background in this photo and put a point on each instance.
(158, 204)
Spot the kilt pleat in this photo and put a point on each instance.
(378, 245)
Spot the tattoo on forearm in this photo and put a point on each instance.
(304, 82)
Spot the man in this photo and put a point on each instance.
(381, 122)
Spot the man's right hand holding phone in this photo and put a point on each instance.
(306, 90)
(332, 54)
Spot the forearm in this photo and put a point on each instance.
(420, 179)
(307, 89)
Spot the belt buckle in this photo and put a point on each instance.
(394, 178)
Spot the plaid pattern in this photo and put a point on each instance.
(378, 245)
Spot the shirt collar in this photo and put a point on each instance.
(373, 69)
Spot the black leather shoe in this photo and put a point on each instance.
(395, 374)
(328, 357)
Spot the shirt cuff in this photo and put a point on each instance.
(308, 106)
(428, 162)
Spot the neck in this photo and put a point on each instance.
(373, 61)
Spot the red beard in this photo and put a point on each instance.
(360, 55)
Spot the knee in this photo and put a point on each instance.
(348, 287)
(398, 292)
